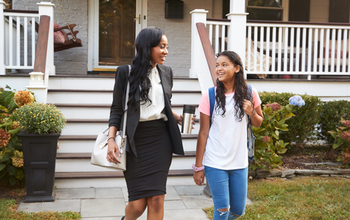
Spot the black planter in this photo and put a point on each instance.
(39, 154)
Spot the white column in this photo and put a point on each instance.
(199, 66)
(237, 30)
(47, 8)
(2, 38)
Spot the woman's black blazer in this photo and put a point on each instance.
(116, 114)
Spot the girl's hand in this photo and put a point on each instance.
(112, 151)
(198, 177)
(248, 107)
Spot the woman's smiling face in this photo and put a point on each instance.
(158, 53)
(225, 69)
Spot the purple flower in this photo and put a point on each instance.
(296, 100)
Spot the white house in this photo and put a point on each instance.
(299, 46)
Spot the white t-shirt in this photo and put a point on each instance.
(226, 146)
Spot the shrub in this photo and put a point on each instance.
(301, 127)
(341, 137)
(39, 118)
(11, 155)
(330, 114)
(268, 145)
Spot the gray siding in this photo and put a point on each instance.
(178, 32)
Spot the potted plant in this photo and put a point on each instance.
(41, 125)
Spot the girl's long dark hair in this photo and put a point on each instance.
(240, 87)
(141, 64)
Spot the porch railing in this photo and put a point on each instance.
(287, 48)
(20, 39)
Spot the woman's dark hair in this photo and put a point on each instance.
(141, 64)
(240, 87)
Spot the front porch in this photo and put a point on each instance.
(277, 50)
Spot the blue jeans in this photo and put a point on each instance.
(229, 191)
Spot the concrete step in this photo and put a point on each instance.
(113, 178)
(94, 126)
(85, 143)
(97, 82)
(80, 162)
(106, 97)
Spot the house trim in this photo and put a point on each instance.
(93, 37)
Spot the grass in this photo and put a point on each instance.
(298, 198)
(10, 197)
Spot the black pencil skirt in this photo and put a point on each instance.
(147, 175)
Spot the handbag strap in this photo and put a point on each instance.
(126, 103)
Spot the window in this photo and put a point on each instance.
(265, 10)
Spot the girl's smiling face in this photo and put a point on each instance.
(158, 53)
(225, 69)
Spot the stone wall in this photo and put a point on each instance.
(73, 60)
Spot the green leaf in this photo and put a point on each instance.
(282, 151)
(335, 146)
(2, 166)
(11, 170)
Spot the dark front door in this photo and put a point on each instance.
(116, 32)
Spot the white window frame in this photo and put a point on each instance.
(93, 27)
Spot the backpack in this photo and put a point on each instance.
(250, 135)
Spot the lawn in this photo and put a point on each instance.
(298, 198)
(10, 197)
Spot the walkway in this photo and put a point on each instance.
(181, 202)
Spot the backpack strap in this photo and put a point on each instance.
(251, 92)
(211, 95)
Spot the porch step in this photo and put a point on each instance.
(85, 143)
(88, 155)
(113, 179)
(99, 111)
(80, 162)
(94, 126)
(60, 96)
(107, 82)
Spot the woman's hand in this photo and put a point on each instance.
(248, 107)
(198, 177)
(179, 120)
(112, 151)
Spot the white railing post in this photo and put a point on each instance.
(37, 86)
(199, 67)
(47, 8)
(2, 38)
(237, 31)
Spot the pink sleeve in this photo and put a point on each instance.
(256, 98)
(204, 104)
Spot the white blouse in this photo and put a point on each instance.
(153, 111)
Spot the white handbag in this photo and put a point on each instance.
(99, 153)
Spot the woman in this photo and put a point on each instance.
(151, 129)
(222, 146)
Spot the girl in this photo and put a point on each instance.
(222, 146)
(152, 131)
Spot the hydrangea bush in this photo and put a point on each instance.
(301, 128)
(11, 155)
(268, 145)
(342, 142)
